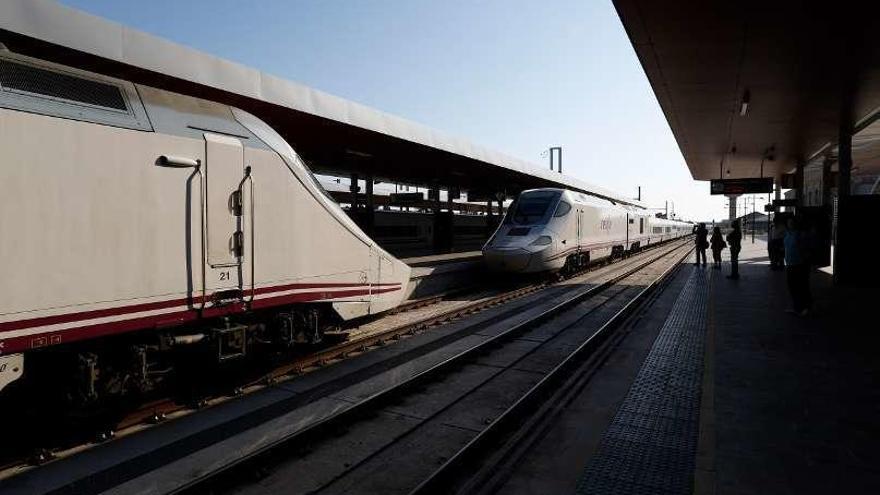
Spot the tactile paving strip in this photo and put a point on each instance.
(651, 445)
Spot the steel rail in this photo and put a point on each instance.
(385, 394)
(341, 350)
(441, 480)
(156, 412)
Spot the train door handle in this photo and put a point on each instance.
(236, 205)
(237, 244)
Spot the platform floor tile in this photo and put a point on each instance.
(651, 444)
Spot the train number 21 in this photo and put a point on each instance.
(224, 275)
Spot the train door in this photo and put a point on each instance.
(386, 273)
(580, 223)
(224, 217)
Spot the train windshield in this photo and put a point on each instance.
(532, 207)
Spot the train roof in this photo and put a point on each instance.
(593, 199)
(335, 135)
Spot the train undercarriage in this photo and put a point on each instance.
(96, 374)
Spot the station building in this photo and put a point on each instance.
(785, 90)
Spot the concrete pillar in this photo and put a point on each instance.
(844, 162)
(368, 221)
(439, 235)
(449, 222)
(844, 262)
(799, 183)
(731, 208)
(827, 188)
(490, 219)
(354, 188)
(369, 192)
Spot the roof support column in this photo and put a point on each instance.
(369, 218)
(844, 161)
(442, 223)
(369, 191)
(845, 262)
(354, 188)
(799, 183)
(490, 219)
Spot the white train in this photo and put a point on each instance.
(138, 221)
(548, 230)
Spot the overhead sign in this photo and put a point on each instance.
(750, 185)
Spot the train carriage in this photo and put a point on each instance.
(547, 230)
(162, 220)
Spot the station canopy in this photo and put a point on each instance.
(742, 82)
(333, 135)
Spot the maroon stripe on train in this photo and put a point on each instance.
(27, 342)
(279, 288)
(153, 306)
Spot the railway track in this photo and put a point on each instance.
(588, 307)
(161, 411)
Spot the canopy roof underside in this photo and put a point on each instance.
(803, 67)
(333, 135)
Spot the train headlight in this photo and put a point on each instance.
(543, 240)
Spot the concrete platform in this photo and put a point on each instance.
(441, 273)
(439, 259)
(717, 390)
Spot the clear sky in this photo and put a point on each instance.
(513, 75)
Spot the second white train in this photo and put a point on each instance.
(548, 230)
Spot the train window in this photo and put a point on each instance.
(562, 209)
(531, 207)
(41, 87)
(641, 225)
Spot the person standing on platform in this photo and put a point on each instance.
(797, 267)
(734, 240)
(701, 242)
(717, 243)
